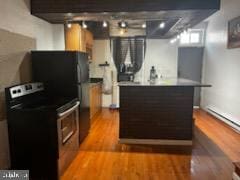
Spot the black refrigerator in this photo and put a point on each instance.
(65, 74)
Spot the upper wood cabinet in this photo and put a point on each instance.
(73, 38)
(89, 39)
(82, 40)
(78, 38)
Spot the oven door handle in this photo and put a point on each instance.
(69, 110)
(68, 137)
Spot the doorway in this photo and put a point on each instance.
(190, 62)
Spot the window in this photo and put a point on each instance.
(194, 37)
(185, 38)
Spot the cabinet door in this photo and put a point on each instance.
(82, 40)
(95, 100)
(89, 44)
(72, 37)
(99, 98)
(92, 102)
(89, 39)
(93, 97)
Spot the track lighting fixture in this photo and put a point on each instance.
(84, 25)
(123, 24)
(162, 25)
(144, 25)
(105, 24)
(69, 25)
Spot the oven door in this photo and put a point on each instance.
(68, 136)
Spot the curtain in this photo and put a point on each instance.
(137, 52)
(119, 48)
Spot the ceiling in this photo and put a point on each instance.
(175, 23)
(177, 15)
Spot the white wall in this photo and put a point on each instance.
(101, 54)
(162, 55)
(15, 17)
(159, 53)
(222, 65)
(58, 37)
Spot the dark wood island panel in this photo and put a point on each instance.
(162, 113)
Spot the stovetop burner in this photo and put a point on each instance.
(59, 104)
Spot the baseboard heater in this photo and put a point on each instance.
(225, 118)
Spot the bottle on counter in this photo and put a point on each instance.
(153, 74)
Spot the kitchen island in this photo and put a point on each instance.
(157, 113)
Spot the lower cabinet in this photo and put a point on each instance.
(95, 100)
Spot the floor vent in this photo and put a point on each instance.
(221, 116)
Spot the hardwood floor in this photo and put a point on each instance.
(102, 158)
(221, 134)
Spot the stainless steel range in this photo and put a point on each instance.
(43, 132)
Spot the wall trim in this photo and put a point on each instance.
(224, 117)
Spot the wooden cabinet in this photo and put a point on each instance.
(82, 40)
(78, 39)
(89, 39)
(95, 100)
(89, 44)
(72, 38)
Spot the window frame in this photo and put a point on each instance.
(201, 42)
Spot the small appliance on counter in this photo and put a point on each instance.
(125, 73)
(43, 131)
(125, 77)
(65, 74)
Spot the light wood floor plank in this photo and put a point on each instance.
(101, 157)
(220, 133)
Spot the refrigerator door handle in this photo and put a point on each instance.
(79, 73)
(80, 97)
(80, 94)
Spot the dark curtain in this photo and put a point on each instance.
(137, 52)
(119, 48)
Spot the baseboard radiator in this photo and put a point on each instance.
(234, 123)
